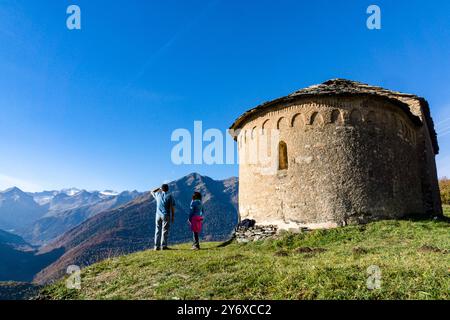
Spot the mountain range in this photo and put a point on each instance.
(43, 216)
(68, 211)
(18, 209)
(78, 227)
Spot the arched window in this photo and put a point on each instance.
(282, 156)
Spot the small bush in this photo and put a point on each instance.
(444, 186)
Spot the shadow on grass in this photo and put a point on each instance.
(202, 248)
(426, 217)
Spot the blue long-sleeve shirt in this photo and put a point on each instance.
(196, 209)
(164, 202)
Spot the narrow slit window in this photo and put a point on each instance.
(282, 156)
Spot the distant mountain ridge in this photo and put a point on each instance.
(18, 209)
(41, 217)
(130, 227)
(66, 212)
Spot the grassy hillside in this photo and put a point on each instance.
(326, 264)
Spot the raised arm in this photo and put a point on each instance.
(153, 192)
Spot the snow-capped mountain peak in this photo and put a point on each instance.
(109, 193)
(71, 192)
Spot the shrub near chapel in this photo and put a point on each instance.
(444, 186)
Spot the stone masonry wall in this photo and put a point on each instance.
(256, 233)
(350, 160)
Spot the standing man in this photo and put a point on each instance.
(165, 206)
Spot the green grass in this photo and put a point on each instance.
(413, 256)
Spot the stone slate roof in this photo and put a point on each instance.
(343, 87)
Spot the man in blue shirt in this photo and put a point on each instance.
(165, 206)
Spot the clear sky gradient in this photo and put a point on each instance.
(95, 108)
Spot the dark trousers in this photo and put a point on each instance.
(196, 240)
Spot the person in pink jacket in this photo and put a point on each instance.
(196, 218)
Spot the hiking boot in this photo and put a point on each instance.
(156, 249)
(166, 248)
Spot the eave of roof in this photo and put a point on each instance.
(343, 87)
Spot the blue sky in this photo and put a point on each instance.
(95, 108)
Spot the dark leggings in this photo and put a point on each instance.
(196, 240)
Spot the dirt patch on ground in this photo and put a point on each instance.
(281, 253)
(309, 250)
(427, 248)
(359, 250)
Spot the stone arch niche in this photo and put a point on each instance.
(265, 126)
(371, 118)
(316, 119)
(253, 134)
(355, 117)
(336, 116)
(253, 146)
(282, 123)
(298, 121)
(266, 138)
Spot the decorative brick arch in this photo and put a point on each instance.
(316, 119)
(336, 116)
(265, 126)
(371, 117)
(355, 116)
(298, 120)
(282, 123)
(253, 133)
